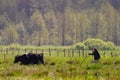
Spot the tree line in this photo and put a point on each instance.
(58, 22)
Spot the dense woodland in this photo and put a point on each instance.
(58, 22)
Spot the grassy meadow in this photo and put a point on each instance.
(62, 67)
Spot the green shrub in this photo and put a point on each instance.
(79, 46)
(91, 43)
(109, 46)
(99, 44)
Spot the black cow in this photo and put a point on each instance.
(30, 58)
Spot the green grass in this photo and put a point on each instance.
(61, 68)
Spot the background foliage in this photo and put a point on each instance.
(100, 44)
(59, 22)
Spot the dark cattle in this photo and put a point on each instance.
(30, 58)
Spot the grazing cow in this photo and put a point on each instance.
(30, 58)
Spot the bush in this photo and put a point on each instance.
(91, 43)
(109, 46)
(79, 46)
(99, 44)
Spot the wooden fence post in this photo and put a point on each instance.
(6, 53)
(1, 50)
(104, 54)
(79, 52)
(42, 51)
(57, 53)
(12, 50)
(83, 52)
(6, 50)
(68, 52)
(49, 52)
(64, 53)
(25, 50)
(72, 52)
(111, 54)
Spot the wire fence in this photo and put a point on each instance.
(54, 52)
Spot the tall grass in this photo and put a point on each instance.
(61, 68)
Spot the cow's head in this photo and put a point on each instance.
(17, 59)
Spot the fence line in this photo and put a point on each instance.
(52, 52)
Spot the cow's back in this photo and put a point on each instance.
(33, 58)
